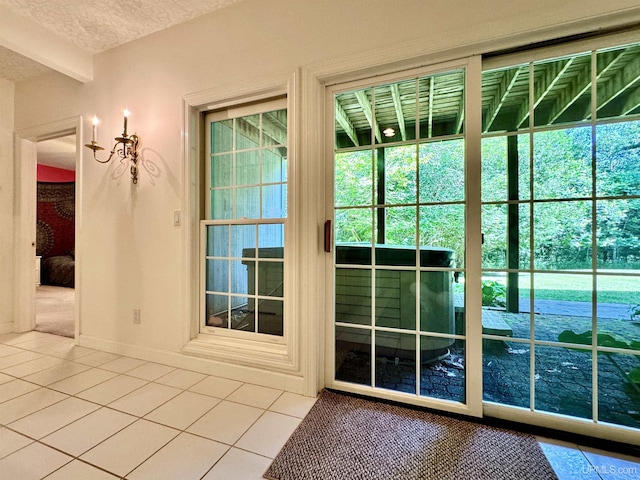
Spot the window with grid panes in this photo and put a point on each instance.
(244, 230)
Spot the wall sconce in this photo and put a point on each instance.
(129, 148)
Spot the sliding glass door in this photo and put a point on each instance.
(545, 276)
(400, 223)
(560, 217)
(533, 259)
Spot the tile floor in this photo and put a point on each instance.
(69, 412)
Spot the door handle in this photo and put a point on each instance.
(327, 236)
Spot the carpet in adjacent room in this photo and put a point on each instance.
(55, 310)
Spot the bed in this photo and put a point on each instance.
(59, 270)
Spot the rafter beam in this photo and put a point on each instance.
(632, 102)
(250, 127)
(569, 95)
(549, 78)
(582, 83)
(523, 112)
(275, 128)
(460, 116)
(365, 104)
(343, 119)
(397, 105)
(432, 84)
(506, 84)
(624, 80)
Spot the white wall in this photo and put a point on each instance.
(6, 205)
(131, 250)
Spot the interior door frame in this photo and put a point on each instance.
(473, 248)
(25, 161)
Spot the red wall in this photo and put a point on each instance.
(55, 175)
(55, 228)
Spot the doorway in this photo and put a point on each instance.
(25, 167)
(403, 228)
(55, 235)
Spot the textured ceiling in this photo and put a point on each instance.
(97, 25)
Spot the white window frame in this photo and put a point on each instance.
(229, 114)
(238, 349)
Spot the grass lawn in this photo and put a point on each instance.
(578, 287)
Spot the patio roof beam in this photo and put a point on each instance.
(568, 96)
(550, 76)
(272, 129)
(507, 82)
(460, 116)
(632, 102)
(365, 104)
(623, 81)
(397, 105)
(345, 123)
(582, 83)
(523, 112)
(432, 83)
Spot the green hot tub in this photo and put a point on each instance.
(395, 296)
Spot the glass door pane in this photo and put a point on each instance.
(399, 210)
(561, 252)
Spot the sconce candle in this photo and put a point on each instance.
(95, 128)
(126, 116)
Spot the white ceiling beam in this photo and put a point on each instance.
(30, 40)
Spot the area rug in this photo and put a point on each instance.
(350, 438)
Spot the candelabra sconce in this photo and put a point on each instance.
(128, 150)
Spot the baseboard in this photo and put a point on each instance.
(280, 381)
(6, 328)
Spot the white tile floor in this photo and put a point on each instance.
(69, 412)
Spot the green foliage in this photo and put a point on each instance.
(417, 179)
(493, 293)
(634, 376)
(605, 340)
(441, 179)
(562, 166)
(579, 288)
(586, 338)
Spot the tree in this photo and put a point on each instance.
(425, 190)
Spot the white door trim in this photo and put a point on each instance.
(25, 160)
